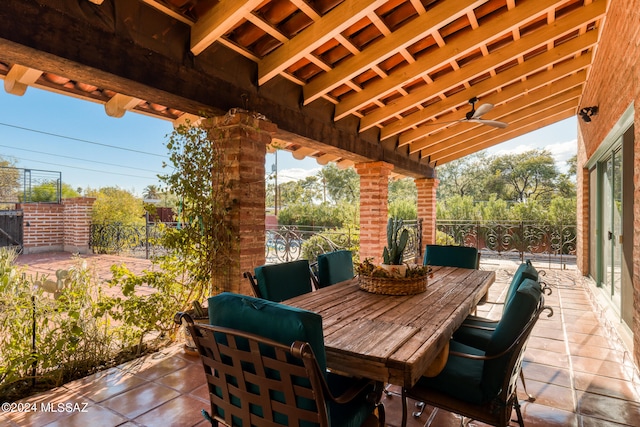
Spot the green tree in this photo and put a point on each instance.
(526, 175)
(463, 177)
(458, 208)
(151, 192)
(339, 184)
(9, 181)
(48, 192)
(113, 204)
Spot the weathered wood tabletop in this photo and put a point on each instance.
(394, 338)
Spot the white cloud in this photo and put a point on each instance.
(295, 174)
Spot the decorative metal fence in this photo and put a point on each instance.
(555, 242)
(127, 239)
(292, 242)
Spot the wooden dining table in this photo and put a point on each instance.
(394, 339)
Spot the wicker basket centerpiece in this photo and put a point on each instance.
(380, 279)
(393, 277)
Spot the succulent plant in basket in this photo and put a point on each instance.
(392, 265)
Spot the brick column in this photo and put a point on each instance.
(77, 224)
(427, 208)
(244, 139)
(374, 191)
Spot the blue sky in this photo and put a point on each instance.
(46, 131)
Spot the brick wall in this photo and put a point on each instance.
(50, 227)
(613, 85)
(374, 191)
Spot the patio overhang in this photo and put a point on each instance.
(344, 80)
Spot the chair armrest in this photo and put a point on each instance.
(305, 352)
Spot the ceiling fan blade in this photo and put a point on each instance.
(483, 109)
(494, 123)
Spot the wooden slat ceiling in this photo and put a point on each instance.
(405, 69)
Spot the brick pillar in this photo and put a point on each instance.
(244, 139)
(426, 188)
(374, 191)
(77, 224)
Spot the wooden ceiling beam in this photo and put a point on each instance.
(119, 104)
(168, 11)
(560, 73)
(491, 29)
(217, 21)
(481, 66)
(403, 37)
(19, 78)
(543, 120)
(334, 22)
(512, 113)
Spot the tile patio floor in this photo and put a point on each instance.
(574, 365)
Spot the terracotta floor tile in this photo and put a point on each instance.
(94, 416)
(549, 395)
(607, 386)
(152, 368)
(183, 411)
(608, 408)
(545, 416)
(201, 393)
(547, 374)
(549, 333)
(547, 357)
(139, 400)
(186, 379)
(43, 407)
(556, 346)
(604, 368)
(587, 339)
(595, 422)
(105, 384)
(600, 353)
(585, 328)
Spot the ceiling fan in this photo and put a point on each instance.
(474, 115)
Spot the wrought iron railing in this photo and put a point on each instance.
(127, 239)
(522, 239)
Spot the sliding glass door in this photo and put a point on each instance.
(611, 226)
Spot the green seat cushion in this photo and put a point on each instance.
(451, 256)
(279, 322)
(512, 323)
(278, 282)
(334, 267)
(461, 377)
(525, 271)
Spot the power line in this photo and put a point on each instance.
(86, 169)
(81, 140)
(77, 158)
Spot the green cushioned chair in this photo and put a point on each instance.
(265, 360)
(477, 331)
(481, 384)
(334, 267)
(451, 256)
(278, 282)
